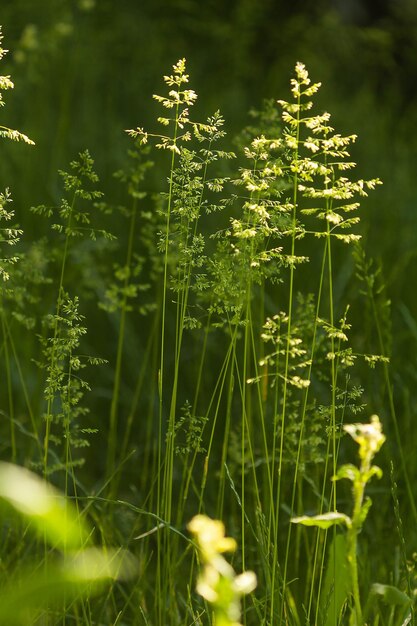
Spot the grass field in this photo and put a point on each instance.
(209, 340)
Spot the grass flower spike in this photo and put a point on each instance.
(5, 84)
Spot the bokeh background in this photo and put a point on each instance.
(85, 70)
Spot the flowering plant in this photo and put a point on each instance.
(218, 582)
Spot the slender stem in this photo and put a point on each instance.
(9, 385)
(166, 495)
(288, 351)
(164, 489)
(390, 392)
(56, 331)
(24, 386)
(112, 438)
(352, 542)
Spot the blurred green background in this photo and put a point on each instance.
(85, 70)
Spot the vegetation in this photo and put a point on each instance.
(186, 351)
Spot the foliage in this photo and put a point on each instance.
(222, 313)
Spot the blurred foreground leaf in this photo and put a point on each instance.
(337, 586)
(51, 513)
(78, 575)
(65, 577)
(400, 606)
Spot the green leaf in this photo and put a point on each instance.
(337, 584)
(400, 613)
(390, 595)
(80, 575)
(348, 471)
(52, 514)
(323, 521)
(364, 511)
(373, 471)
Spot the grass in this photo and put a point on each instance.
(189, 355)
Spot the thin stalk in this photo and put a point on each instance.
(391, 403)
(287, 361)
(165, 505)
(220, 384)
(9, 385)
(273, 521)
(112, 440)
(67, 437)
(24, 387)
(246, 346)
(189, 465)
(164, 494)
(317, 566)
(138, 389)
(264, 436)
(182, 305)
(332, 362)
(226, 435)
(56, 323)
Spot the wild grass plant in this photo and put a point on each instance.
(226, 372)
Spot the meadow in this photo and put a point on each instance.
(192, 365)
